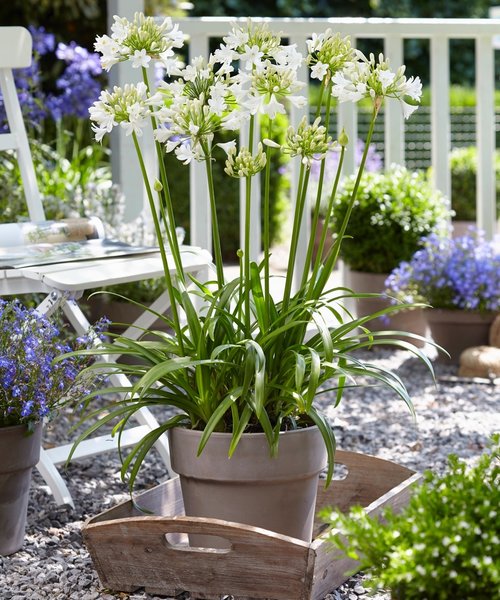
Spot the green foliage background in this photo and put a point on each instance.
(393, 210)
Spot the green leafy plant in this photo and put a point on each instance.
(392, 211)
(242, 361)
(463, 165)
(444, 544)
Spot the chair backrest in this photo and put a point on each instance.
(16, 52)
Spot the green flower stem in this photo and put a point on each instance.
(320, 99)
(266, 241)
(299, 210)
(166, 199)
(319, 259)
(317, 205)
(334, 252)
(246, 253)
(248, 233)
(168, 277)
(213, 211)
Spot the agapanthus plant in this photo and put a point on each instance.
(34, 387)
(246, 361)
(461, 273)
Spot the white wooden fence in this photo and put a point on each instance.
(393, 32)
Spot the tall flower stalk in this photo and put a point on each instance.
(246, 361)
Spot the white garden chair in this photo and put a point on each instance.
(64, 283)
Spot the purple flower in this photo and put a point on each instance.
(35, 385)
(454, 273)
(77, 87)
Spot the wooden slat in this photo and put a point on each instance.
(8, 141)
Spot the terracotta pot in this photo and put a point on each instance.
(276, 493)
(460, 228)
(412, 321)
(456, 330)
(20, 453)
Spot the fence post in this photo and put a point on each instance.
(124, 165)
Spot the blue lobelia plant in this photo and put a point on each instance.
(34, 387)
(460, 273)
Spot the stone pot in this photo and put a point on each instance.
(412, 321)
(456, 330)
(20, 453)
(277, 493)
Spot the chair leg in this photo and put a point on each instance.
(46, 466)
(53, 478)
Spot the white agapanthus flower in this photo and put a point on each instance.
(370, 78)
(129, 107)
(195, 106)
(310, 142)
(244, 163)
(265, 89)
(328, 53)
(141, 40)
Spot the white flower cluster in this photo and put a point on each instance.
(368, 78)
(209, 95)
(140, 41)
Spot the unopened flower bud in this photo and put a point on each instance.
(158, 187)
(343, 138)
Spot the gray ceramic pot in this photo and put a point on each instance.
(276, 493)
(20, 453)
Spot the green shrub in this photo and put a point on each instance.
(393, 211)
(445, 544)
(463, 165)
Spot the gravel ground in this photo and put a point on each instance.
(456, 418)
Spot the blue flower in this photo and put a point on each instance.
(34, 385)
(454, 273)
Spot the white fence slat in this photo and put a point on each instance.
(485, 182)
(440, 115)
(201, 220)
(124, 164)
(394, 120)
(255, 199)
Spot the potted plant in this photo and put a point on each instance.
(460, 279)
(393, 210)
(243, 370)
(34, 389)
(444, 544)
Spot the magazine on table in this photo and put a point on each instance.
(30, 255)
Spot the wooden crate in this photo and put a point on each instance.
(131, 550)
